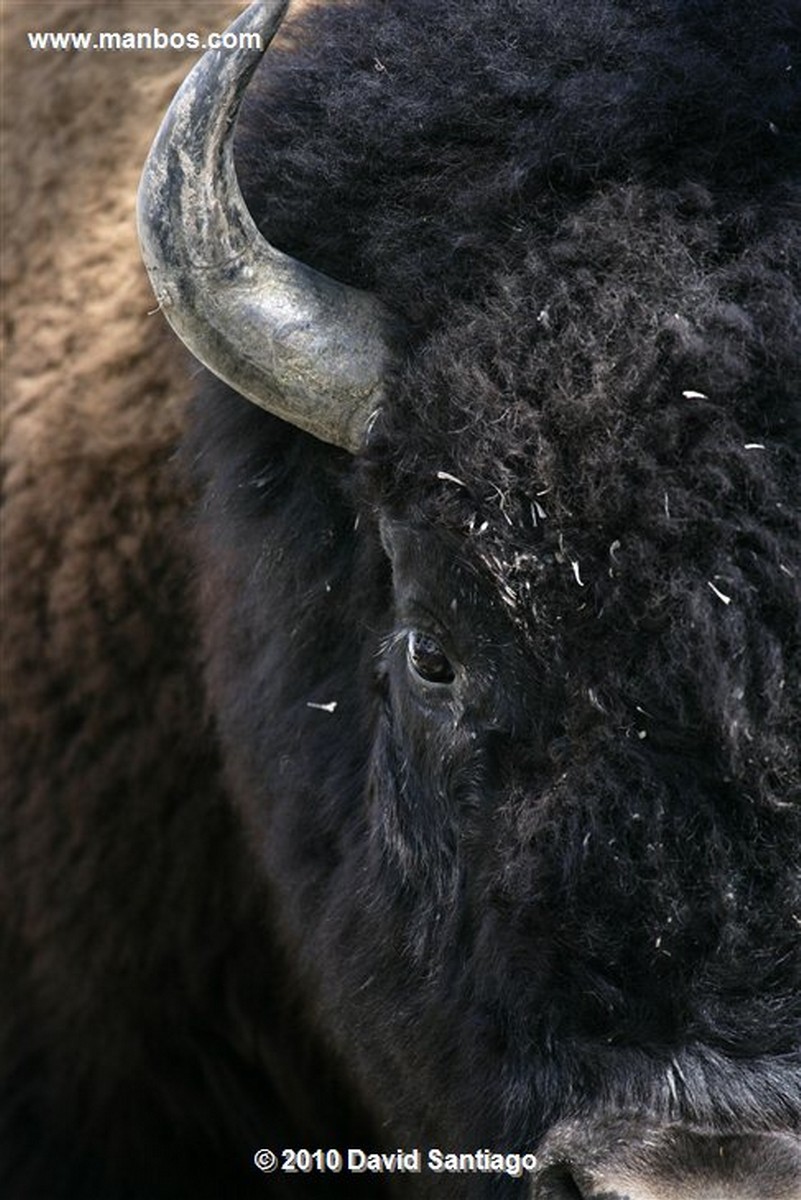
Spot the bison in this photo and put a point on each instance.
(423, 793)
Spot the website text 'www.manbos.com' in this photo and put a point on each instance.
(147, 39)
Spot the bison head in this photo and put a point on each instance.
(502, 666)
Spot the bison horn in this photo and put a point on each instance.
(311, 350)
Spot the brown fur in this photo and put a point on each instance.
(98, 680)
(94, 399)
(94, 392)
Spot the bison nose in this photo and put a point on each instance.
(622, 1161)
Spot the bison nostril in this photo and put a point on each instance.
(621, 1160)
(557, 1183)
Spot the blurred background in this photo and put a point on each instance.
(76, 126)
(93, 636)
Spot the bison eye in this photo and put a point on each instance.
(427, 659)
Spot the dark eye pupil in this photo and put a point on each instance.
(428, 660)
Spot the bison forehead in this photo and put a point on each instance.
(597, 361)
(607, 411)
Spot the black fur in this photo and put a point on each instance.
(571, 883)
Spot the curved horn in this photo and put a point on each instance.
(299, 344)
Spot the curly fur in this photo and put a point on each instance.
(571, 884)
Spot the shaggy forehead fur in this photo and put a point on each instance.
(568, 221)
